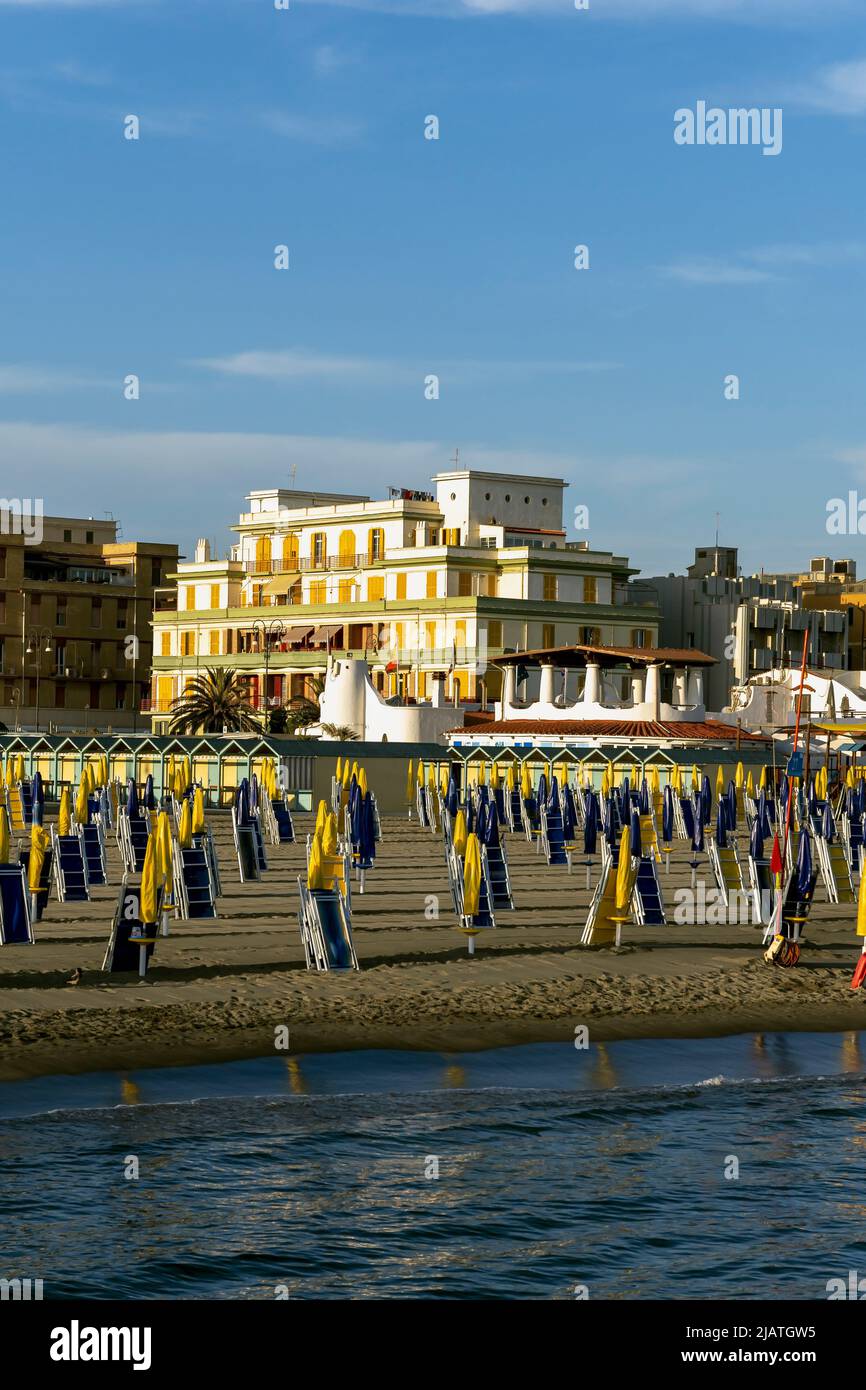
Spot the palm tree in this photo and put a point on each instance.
(302, 710)
(341, 731)
(214, 702)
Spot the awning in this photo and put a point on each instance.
(280, 584)
(296, 634)
(327, 631)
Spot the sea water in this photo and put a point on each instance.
(715, 1168)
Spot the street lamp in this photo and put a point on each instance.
(266, 634)
(35, 638)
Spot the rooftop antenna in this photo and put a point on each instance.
(293, 473)
(456, 458)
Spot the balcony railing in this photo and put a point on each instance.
(306, 564)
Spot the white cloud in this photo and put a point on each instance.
(17, 379)
(748, 11)
(327, 60)
(313, 130)
(705, 270)
(839, 89)
(298, 364)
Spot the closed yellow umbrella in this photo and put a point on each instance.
(166, 860)
(347, 774)
(431, 777)
(510, 779)
(459, 834)
(10, 771)
(824, 783)
(410, 785)
(64, 815)
(739, 777)
(354, 771)
(4, 836)
(655, 780)
(81, 801)
(562, 773)
(20, 774)
(420, 773)
(624, 885)
(495, 779)
(861, 907)
(611, 775)
(443, 779)
(184, 832)
(750, 785)
(321, 817)
(314, 866)
(148, 890)
(720, 780)
(472, 876)
(39, 842)
(605, 783)
(339, 772)
(198, 811)
(696, 779)
(362, 781)
(329, 836)
(481, 774)
(763, 781)
(525, 783)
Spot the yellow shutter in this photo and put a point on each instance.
(290, 551)
(166, 643)
(548, 635)
(431, 583)
(401, 586)
(464, 584)
(163, 691)
(263, 554)
(214, 595)
(494, 633)
(590, 589)
(190, 597)
(375, 588)
(430, 629)
(344, 590)
(347, 547)
(214, 643)
(550, 588)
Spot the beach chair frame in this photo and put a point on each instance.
(16, 873)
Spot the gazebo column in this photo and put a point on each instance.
(507, 690)
(653, 690)
(546, 693)
(696, 687)
(592, 684)
(680, 694)
(637, 689)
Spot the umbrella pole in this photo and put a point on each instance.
(471, 945)
(361, 878)
(164, 923)
(142, 962)
(588, 874)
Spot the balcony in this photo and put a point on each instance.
(308, 565)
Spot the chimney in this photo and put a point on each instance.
(202, 552)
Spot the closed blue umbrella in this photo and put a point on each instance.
(635, 834)
(784, 793)
(667, 815)
(732, 806)
(610, 825)
(131, 798)
(367, 833)
(481, 819)
(643, 800)
(764, 815)
(721, 825)
(569, 814)
(452, 797)
(756, 840)
(698, 835)
(553, 803)
(625, 791)
(483, 794)
(149, 798)
(804, 863)
(242, 803)
(590, 825)
(542, 789)
(828, 825)
(37, 802)
(813, 799)
(861, 797)
(254, 793)
(491, 828)
(706, 800)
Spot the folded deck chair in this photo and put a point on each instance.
(497, 875)
(326, 928)
(726, 867)
(192, 882)
(71, 882)
(552, 836)
(648, 901)
(531, 819)
(129, 936)
(16, 925)
(282, 818)
(41, 896)
(603, 923)
(93, 838)
(246, 849)
(835, 870)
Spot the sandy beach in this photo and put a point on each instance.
(219, 990)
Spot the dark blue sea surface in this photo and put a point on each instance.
(516, 1173)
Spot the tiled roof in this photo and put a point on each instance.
(616, 728)
(579, 653)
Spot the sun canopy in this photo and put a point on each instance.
(581, 655)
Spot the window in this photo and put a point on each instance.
(431, 583)
(401, 586)
(375, 588)
(430, 635)
(2, 608)
(347, 547)
(290, 552)
(95, 692)
(156, 573)
(318, 549)
(122, 615)
(2, 562)
(165, 644)
(590, 636)
(494, 634)
(189, 598)
(120, 696)
(263, 554)
(60, 697)
(214, 595)
(61, 611)
(376, 544)
(548, 635)
(67, 535)
(638, 637)
(344, 591)
(550, 588)
(187, 644)
(214, 644)
(88, 538)
(318, 591)
(590, 589)
(464, 583)
(96, 612)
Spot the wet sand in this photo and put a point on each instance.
(219, 990)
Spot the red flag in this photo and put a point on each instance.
(392, 666)
(776, 857)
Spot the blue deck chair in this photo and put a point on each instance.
(16, 926)
(71, 882)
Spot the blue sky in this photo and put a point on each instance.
(454, 257)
